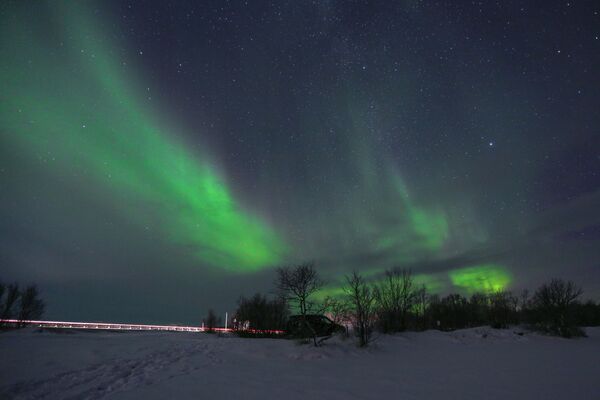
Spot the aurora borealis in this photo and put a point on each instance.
(116, 144)
(184, 151)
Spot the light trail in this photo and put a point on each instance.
(108, 326)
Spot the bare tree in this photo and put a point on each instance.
(478, 309)
(421, 302)
(558, 293)
(552, 304)
(211, 321)
(502, 309)
(524, 306)
(338, 309)
(32, 307)
(7, 308)
(297, 285)
(395, 296)
(362, 303)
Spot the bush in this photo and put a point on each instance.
(9, 297)
(586, 314)
(258, 312)
(20, 305)
(553, 306)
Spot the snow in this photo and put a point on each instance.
(479, 363)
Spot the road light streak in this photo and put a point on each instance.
(130, 327)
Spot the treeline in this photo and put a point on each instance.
(260, 312)
(19, 304)
(396, 303)
(554, 308)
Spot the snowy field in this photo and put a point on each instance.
(478, 363)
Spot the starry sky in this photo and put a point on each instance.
(160, 158)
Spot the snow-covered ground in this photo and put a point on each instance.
(478, 363)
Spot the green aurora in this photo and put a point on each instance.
(73, 101)
(485, 279)
(99, 125)
(481, 278)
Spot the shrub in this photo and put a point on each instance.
(258, 312)
(552, 308)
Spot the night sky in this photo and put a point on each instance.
(158, 158)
